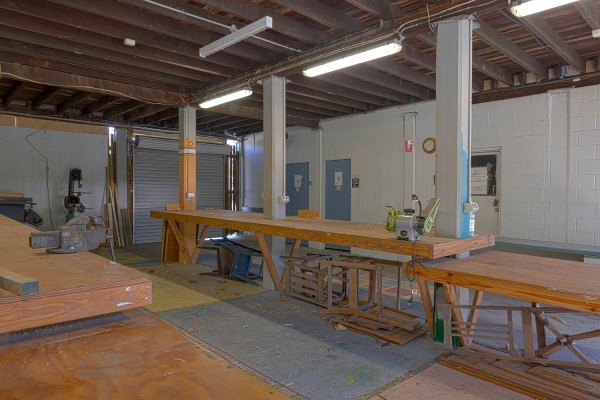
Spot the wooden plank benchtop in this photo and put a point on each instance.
(344, 233)
(569, 284)
(71, 286)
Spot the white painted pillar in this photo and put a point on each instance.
(453, 124)
(187, 173)
(274, 165)
(317, 181)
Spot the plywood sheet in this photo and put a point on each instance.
(344, 233)
(139, 357)
(71, 286)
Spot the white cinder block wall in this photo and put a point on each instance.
(23, 170)
(550, 161)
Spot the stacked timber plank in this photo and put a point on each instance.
(519, 375)
(71, 286)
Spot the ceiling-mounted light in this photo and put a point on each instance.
(522, 8)
(391, 47)
(237, 36)
(238, 94)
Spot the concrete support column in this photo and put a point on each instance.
(453, 124)
(187, 173)
(274, 165)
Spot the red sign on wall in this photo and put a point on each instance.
(408, 146)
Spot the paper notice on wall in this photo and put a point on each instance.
(297, 182)
(479, 171)
(338, 178)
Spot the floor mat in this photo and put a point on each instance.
(283, 339)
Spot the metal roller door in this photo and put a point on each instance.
(155, 184)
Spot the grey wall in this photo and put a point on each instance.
(23, 170)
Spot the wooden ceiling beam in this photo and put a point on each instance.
(281, 23)
(27, 73)
(257, 113)
(590, 12)
(144, 111)
(321, 95)
(225, 122)
(90, 72)
(380, 8)
(162, 116)
(322, 13)
(325, 84)
(166, 26)
(122, 109)
(545, 32)
(498, 41)
(183, 8)
(234, 127)
(43, 97)
(388, 82)
(71, 102)
(13, 92)
(98, 105)
(43, 33)
(405, 72)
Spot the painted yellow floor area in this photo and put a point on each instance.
(176, 286)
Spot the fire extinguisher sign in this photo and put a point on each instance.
(408, 146)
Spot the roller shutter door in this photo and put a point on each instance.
(155, 179)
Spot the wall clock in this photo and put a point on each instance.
(429, 145)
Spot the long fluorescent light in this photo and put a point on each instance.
(522, 8)
(392, 47)
(237, 36)
(238, 94)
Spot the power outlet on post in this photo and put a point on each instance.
(283, 199)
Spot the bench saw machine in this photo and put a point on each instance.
(408, 225)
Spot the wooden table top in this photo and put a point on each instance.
(72, 286)
(569, 284)
(343, 233)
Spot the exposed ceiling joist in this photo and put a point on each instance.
(34, 74)
(281, 23)
(13, 92)
(257, 113)
(98, 105)
(388, 81)
(324, 95)
(405, 72)
(545, 32)
(43, 97)
(72, 102)
(589, 11)
(322, 13)
(122, 109)
(144, 111)
(495, 39)
(380, 8)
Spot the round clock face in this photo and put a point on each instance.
(429, 145)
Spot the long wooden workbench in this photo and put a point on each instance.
(71, 286)
(567, 284)
(344, 233)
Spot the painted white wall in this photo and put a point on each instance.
(540, 136)
(24, 170)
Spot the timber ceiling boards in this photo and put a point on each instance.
(67, 59)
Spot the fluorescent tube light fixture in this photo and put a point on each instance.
(226, 98)
(392, 47)
(237, 36)
(523, 8)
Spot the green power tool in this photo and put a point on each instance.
(391, 219)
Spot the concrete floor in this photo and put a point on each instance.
(285, 342)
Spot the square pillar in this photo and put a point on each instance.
(274, 165)
(187, 173)
(453, 124)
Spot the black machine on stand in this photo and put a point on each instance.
(72, 200)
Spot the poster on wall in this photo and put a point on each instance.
(483, 175)
(338, 180)
(297, 182)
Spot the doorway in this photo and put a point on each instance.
(485, 190)
(337, 193)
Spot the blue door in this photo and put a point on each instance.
(337, 193)
(296, 187)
